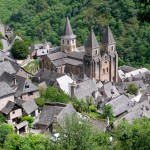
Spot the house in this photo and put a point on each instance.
(22, 127)
(120, 105)
(85, 90)
(137, 111)
(24, 88)
(47, 76)
(108, 90)
(12, 112)
(6, 94)
(54, 113)
(63, 83)
(30, 108)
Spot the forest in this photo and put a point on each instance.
(45, 19)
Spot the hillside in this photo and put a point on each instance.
(42, 19)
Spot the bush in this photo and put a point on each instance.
(19, 50)
(2, 118)
(132, 89)
(92, 108)
(28, 118)
(40, 102)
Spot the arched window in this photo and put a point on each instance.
(107, 69)
(68, 42)
(103, 70)
(112, 48)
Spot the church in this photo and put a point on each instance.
(91, 59)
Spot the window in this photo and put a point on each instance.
(72, 41)
(63, 41)
(96, 52)
(112, 48)
(103, 70)
(30, 93)
(13, 112)
(107, 69)
(68, 42)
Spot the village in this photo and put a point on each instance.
(88, 75)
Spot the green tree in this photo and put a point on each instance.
(108, 112)
(52, 94)
(19, 50)
(133, 136)
(132, 89)
(5, 129)
(79, 134)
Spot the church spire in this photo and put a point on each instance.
(68, 29)
(92, 42)
(108, 37)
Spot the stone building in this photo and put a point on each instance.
(96, 62)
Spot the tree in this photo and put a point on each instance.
(132, 89)
(19, 50)
(5, 129)
(108, 112)
(52, 94)
(133, 136)
(79, 134)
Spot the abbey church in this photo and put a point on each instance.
(96, 62)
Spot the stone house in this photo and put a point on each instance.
(12, 112)
(54, 113)
(6, 94)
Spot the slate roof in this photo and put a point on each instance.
(5, 89)
(8, 108)
(6, 66)
(73, 62)
(126, 69)
(51, 111)
(55, 56)
(29, 106)
(59, 62)
(85, 88)
(92, 42)
(108, 37)
(23, 85)
(140, 110)
(76, 55)
(48, 76)
(22, 124)
(120, 105)
(109, 90)
(68, 30)
(81, 77)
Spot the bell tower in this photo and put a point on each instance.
(92, 57)
(109, 47)
(68, 39)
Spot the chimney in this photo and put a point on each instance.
(14, 80)
(72, 87)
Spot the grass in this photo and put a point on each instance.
(32, 66)
(1, 45)
(94, 115)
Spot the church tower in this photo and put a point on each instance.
(92, 57)
(109, 47)
(68, 39)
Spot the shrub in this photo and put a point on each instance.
(132, 89)
(40, 102)
(19, 50)
(92, 108)
(2, 118)
(28, 118)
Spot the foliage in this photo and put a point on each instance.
(133, 136)
(2, 119)
(52, 94)
(132, 89)
(1, 45)
(32, 66)
(40, 102)
(107, 112)
(20, 50)
(92, 108)
(45, 20)
(29, 142)
(79, 134)
(28, 118)
(5, 129)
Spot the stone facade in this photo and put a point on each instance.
(4, 100)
